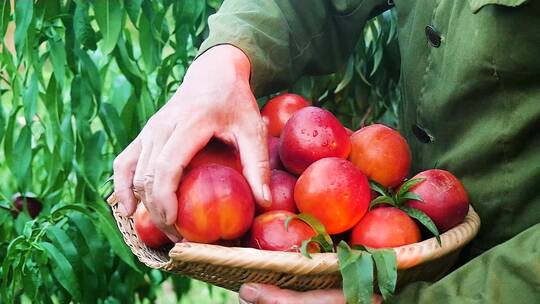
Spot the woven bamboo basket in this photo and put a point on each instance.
(230, 267)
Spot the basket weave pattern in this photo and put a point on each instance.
(230, 267)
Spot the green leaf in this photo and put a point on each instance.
(22, 156)
(378, 188)
(47, 10)
(84, 32)
(410, 196)
(5, 16)
(113, 124)
(58, 59)
(381, 200)
(408, 185)
(90, 73)
(63, 241)
(423, 219)
(62, 270)
(93, 164)
(347, 77)
(24, 11)
(150, 49)
(110, 19)
(386, 268)
(133, 8)
(30, 99)
(108, 227)
(356, 268)
(316, 225)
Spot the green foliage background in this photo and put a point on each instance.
(85, 78)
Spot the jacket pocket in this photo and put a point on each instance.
(476, 5)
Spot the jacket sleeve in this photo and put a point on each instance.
(285, 39)
(507, 273)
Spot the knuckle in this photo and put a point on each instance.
(119, 163)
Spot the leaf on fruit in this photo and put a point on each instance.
(381, 200)
(322, 238)
(410, 196)
(378, 188)
(356, 268)
(315, 225)
(424, 220)
(386, 268)
(408, 185)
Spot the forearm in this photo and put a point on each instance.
(286, 39)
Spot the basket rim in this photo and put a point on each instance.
(408, 256)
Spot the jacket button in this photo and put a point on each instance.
(433, 36)
(422, 134)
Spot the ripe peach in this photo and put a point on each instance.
(311, 134)
(214, 203)
(147, 230)
(445, 200)
(335, 192)
(279, 109)
(268, 232)
(282, 190)
(382, 154)
(385, 227)
(216, 152)
(273, 153)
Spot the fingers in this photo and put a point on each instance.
(148, 179)
(124, 168)
(253, 148)
(264, 294)
(185, 141)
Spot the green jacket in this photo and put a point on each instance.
(470, 78)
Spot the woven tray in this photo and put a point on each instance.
(230, 267)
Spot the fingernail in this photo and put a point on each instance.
(122, 209)
(242, 301)
(267, 196)
(249, 293)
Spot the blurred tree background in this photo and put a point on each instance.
(79, 79)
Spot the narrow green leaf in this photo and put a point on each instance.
(386, 268)
(110, 231)
(93, 164)
(81, 26)
(423, 219)
(381, 200)
(347, 77)
(24, 11)
(90, 72)
(62, 270)
(5, 16)
(67, 143)
(30, 99)
(356, 268)
(110, 19)
(22, 157)
(378, 188)
(410, 196)
(113, 124)
(408, 185)
(150, 47)
(316, 225)
(47, 10)
(58, 59)
(133, 9)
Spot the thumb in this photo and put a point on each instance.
(253, 148)
(263, 294)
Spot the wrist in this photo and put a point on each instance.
(225, 58)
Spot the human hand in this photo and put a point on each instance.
(214, 100)
(264, 294)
